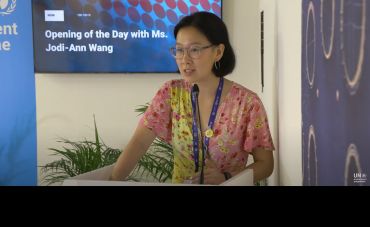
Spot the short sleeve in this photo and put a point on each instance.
(258, 132)
(158, 115)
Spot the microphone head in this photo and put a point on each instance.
(195, 89)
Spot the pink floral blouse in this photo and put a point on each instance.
(240, 126)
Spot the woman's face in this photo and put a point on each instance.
(199, 55)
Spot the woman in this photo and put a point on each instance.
(231, 122)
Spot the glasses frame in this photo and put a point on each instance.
(200, 49)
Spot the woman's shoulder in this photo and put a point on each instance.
(242, 91)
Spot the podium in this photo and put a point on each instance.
(100, 177)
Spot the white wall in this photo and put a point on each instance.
(269, 94)
(242, 19)
(289, 91)
(66, 103)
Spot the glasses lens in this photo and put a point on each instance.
(194, 52)
(176, 52)
(173, 51)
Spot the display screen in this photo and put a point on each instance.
(109, 36)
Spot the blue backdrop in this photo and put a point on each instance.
(336, 92)
(17, 95)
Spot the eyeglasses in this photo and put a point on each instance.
(193, 51)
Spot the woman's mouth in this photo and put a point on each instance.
(188, 72)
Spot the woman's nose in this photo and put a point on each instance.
(186, 58)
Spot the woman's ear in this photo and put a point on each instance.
(220, 51)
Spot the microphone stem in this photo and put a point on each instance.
(201, 180)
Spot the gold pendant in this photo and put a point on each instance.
(209, 133)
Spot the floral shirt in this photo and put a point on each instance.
(240, 126)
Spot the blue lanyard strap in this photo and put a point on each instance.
(209, 133)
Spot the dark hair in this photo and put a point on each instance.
(215, 30)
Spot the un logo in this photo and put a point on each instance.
(7, 6)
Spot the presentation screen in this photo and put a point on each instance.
(109, 36)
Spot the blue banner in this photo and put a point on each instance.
(336, 92)
(17, 95)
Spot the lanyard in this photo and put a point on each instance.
(211, 122)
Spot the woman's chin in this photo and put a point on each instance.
(188, 77)
(190, 80)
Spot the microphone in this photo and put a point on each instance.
(196, 92)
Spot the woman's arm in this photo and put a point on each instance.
(135, 149)
(263, 164)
